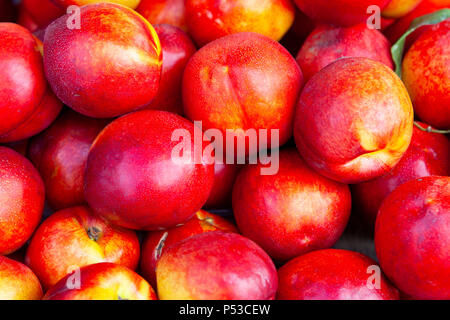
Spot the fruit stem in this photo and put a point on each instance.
(94, 233)
(430, 129)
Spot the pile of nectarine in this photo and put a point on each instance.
(222, 150)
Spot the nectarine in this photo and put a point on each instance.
(216, 266)
(339, 12)
(428, 154)
(75, 237)
(292, 212)
(133, 179)
(17, 281)
(412, 237)
(171, 12)
(47, 111)
(109, 66)
(208, 20)
(177, 49)
(22, 81)
(60, 155)
(21, 200)
(243, 81)
(426, 74)
(102, 281)
(156, 242)
(333, 275)
(354, 120)
(327, 44)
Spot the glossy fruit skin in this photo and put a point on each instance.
(360, 126)
(232, 83)
(426, 72)
(132, 180)
(75, 237)
(224, 178)
(103, 281)
(66, 3)
(171, 12)
(157, 242)
(60, 155)
(216, 266)
(22, 82)
(427, 155)
(177, 49)
(17, 281)
(209, 20)
(47, 111)
(399, 8)
(339, 12)
(332, 274)
(412, 237)
(327, 44)
(21, 200)
(267, 208)
(42, 12)
(122, 72)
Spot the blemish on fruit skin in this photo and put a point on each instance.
(159, 248)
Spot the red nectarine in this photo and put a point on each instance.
(327, 44)
(243, 81)
(209, 20)
(354, 120)
(428, 154)
(17, 281)
(339, 12)
(22, 81)
(75, 237)
(156, 242)
(107, 67)
(333, 275)
(21, 200)
(216, 266)
(177, 49)
(60, 155)
(171, 12)
(102, 281)
(292, 212)
(426, 74)
(133, 179)
(412, 237)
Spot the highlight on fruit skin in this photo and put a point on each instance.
(76, 236)
(208, 20)
(312, 210)
(22, 80)
(411, 233)
(22, 197)
(333, 274)
(425, 72)
(120, 74)
(360, 127)
(102, 281)
(216, 266)
(17, 281)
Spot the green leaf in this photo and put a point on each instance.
(429, 19)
